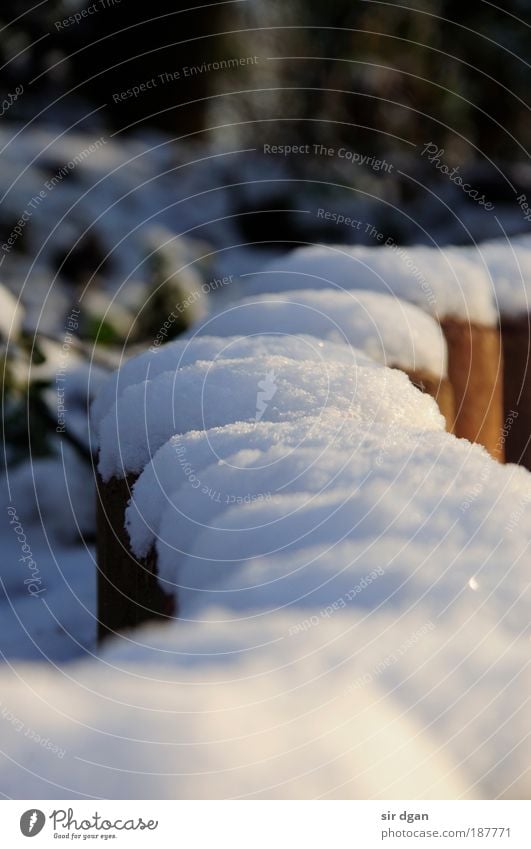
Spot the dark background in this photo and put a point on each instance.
(449, 70)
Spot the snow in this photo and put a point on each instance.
(64, 508)
(411, 574)
(509, 266)
(354, 586)
(48, 588)
(205, 472)
(389, 330)
(104, 193)
(211, 394)
(423, 496)
(187, 712)
(123, 201)
(183, 353)
(10, 315)
(442, 282)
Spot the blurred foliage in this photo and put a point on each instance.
(451, 72)
(446, 71)
(27, 39)
(28, 423)
(121, 44)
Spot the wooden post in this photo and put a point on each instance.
(475, 369)
(128, 590)
(516, 339)
(439, 388)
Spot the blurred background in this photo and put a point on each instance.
(155, 155)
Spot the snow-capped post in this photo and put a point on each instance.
(449, 284)
(128, 591)
(145, 413)
(509, 266)
(516, 433)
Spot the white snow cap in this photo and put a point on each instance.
(416, 516)
(199, 479)
(212, 394)
(390, 330)
(442, 282)
(509, 266)
(185, 352)
(181, 460)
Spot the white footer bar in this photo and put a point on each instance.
(267, 824)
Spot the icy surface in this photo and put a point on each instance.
(387, 329)
(443, 282)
